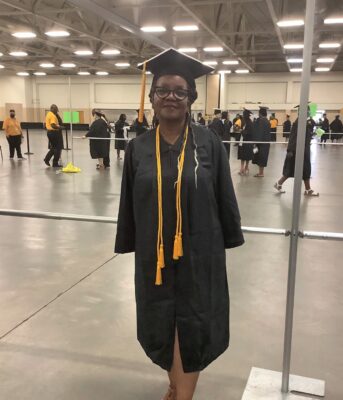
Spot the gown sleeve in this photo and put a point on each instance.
(125, 238)
(92, 130)
(229, 216)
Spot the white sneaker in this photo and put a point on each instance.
(278, 188)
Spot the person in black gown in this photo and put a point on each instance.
(289, 164)
(120, 127)
(178, 213)
(287, 125)
(261, 134)
(99, 149)
(245, 151)
(336, 127)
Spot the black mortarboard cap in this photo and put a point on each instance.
(217, 111)
(172, 62)
(247, 112)
(263, 110)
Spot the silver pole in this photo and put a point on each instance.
(302, 121)
(71, 122)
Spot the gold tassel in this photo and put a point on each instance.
(161, 257)
(141, 106)
(158, 280)
(175, 249)
(180, 248)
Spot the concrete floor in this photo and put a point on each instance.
(67, 323)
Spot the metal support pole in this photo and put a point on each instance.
(302, 122)
(28, 142)
(71, 122)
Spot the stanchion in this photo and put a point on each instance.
(265, 384)
(28, 142)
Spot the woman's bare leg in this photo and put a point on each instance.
(182, 384)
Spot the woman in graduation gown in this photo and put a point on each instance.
(120, 134)
(245, 151)
(289, 164)
(178, 213)
(261, 129)
(99, 149)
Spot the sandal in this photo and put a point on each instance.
(170, 395)
(279, 188)
(246, 171)
(241, 173)
(258, 176)
(311, 192)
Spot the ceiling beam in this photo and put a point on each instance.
(115, 19)
(212, 33)
(63, 24)
(275, 20)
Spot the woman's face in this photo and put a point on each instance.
(171, 108)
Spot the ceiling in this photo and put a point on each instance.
(245, 29)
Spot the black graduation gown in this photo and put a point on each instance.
(289, 164)
(222, 129)
(119, 134)
(194, 295)
(245, 151)
(98, 148)
(287, 125)
(336, 126)
(261, 132)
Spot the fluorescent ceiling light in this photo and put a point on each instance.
(1, 54)
(329, 45)
(153, 29)
(47, 65)
(83, 52)
(2, 66)
(38, 73)
(291, 46)
(102, 73)
(213, 49)
(294, 60)
(296, 70)
(338, 20)
(68, 65)
(231, 62)
(148, 73)
(325, 60)
(110, 52)
(290, 22)
(57, 33)
(322, 69)
(180, 28)
(24, 35)
(122, 64)
(18, 53)
(242, 71)
(187, 49)
(210, 62)
(224, 71)
(23, 74)
(83, 73)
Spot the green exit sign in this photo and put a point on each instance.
(75, 117)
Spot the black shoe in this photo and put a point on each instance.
(46, 162)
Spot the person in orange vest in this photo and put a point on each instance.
(14, 135)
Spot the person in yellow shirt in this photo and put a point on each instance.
(13, 132)
(273, 126)
(54, 134)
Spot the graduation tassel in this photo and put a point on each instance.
(143, 83)
(158, 280)
(159, 244)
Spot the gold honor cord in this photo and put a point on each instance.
(141, 106)
(178, 248)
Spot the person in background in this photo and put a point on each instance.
(99, 149)
(237, 128)
(261, 133)
(14, 135)
(287, 125)
(289, 164)
(336, 126)
(140, 127)
(200, 119)
(178, 213)
(245, 151)
(120, 134)
(227, 128)
(273, 127)
(325, 125)
(55, 137)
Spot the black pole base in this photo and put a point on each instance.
(29, 153)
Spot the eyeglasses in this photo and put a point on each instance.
(163, 93)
